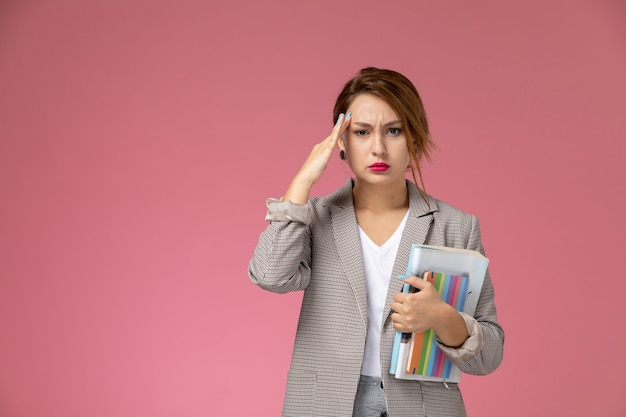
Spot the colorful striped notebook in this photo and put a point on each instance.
(425, 357)
(461, 277)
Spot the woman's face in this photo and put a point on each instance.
(375, 142)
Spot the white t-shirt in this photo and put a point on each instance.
(378, 262)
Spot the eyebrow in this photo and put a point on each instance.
(364, 124)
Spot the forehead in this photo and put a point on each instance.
(372, 108)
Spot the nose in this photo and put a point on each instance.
(378, 144)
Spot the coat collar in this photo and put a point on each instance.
(342, 198)
(346, 235)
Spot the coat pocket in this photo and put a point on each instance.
(300, 395)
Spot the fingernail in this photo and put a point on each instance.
(340, 118)
(349, 115)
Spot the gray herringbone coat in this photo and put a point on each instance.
(317, 249)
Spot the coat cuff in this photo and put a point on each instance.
(472, 345)
(286, 211)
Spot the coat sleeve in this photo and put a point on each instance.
(482, 352)
(282, 258)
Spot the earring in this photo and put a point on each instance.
(342, 155)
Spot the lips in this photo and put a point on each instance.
(379, 167)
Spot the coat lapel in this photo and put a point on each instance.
(346, 235)
(415, 232)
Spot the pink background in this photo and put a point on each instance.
(139, 140)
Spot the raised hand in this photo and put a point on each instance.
(314, 166)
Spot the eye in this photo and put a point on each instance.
(360, 132)
(395, 131)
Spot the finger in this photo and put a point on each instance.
(396, 306)
(399, 324)
(340, 120)
(331, 140)
(343, 121)
(416, 282)
(396, 318)
(399, 327)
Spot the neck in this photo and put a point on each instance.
(380, 197)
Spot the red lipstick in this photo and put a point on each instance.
(379, 167)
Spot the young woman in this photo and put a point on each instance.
(344, 249)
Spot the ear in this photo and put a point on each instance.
(341, 143)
